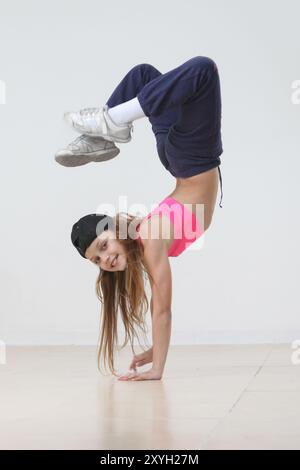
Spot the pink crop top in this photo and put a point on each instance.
(187, 227)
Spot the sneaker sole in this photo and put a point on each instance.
(83, 159)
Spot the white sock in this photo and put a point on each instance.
(126, 112)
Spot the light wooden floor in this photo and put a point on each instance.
(210, 397)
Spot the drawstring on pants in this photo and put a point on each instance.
(220, 177)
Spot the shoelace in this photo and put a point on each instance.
(76, 141)
(89, 111)
(220, 177)
(94, 111)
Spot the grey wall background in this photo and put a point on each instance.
(63, 55)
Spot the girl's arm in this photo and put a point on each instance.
(156, 258)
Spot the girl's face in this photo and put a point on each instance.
(107, 252)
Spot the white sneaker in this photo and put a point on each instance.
(85, 149)
(97, 122)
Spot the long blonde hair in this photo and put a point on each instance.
(122, 291)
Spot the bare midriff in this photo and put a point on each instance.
(199, 189)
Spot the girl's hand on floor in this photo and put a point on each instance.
(141, 359)
(151, 374)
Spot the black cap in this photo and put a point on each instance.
(86, 229)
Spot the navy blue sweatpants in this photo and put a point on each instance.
(184, 109)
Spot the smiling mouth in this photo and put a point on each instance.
(113, 263)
